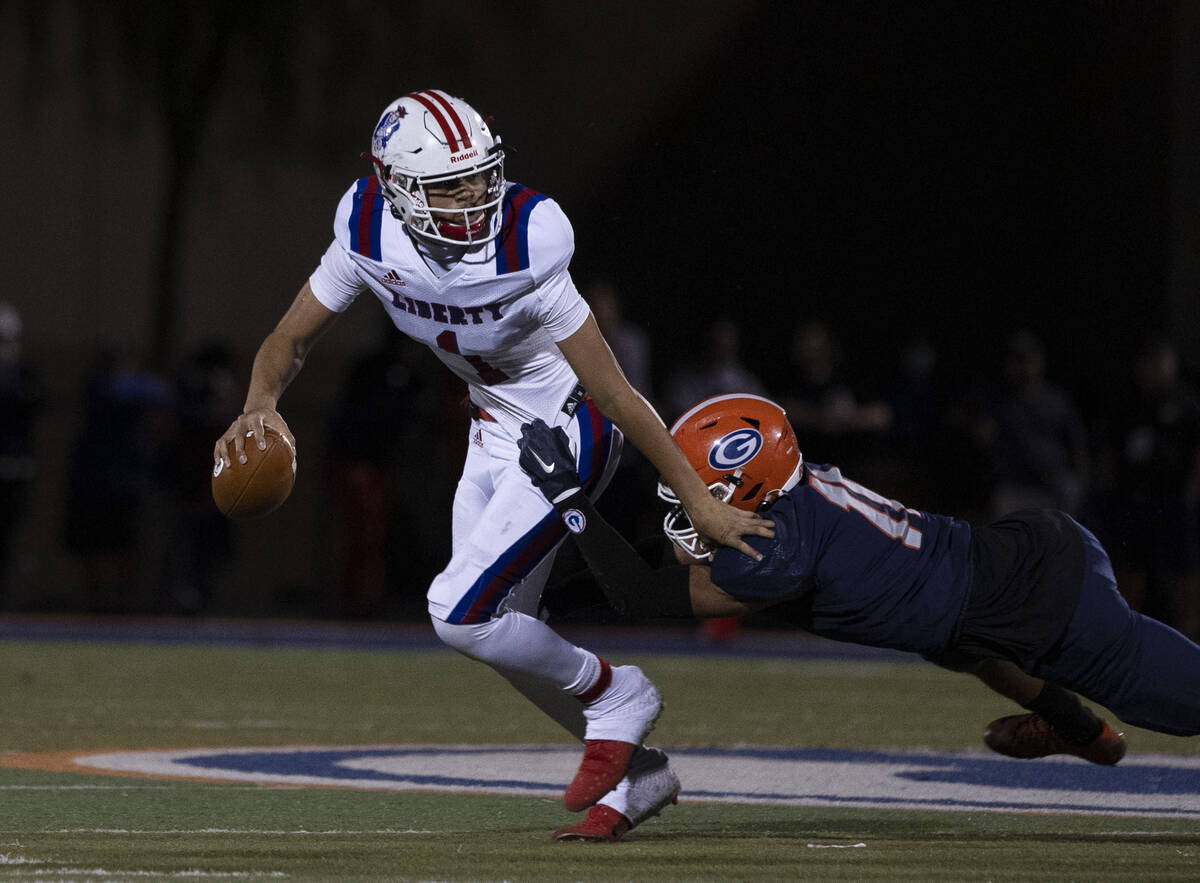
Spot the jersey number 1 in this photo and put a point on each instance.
(448, 341)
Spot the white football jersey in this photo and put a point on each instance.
(493, 319)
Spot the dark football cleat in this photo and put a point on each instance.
(1031, 735)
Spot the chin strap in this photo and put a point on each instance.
(461, 232)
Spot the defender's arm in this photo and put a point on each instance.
(632, 586)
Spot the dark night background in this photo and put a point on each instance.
(893, 166)
(959, 170)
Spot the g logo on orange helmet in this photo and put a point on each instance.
(735, 449)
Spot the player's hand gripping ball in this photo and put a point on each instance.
(258, 486)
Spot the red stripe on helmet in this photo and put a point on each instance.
(441, 99)
(451, 140)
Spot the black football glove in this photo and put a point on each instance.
(546, 457)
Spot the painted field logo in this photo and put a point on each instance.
(1144, 785)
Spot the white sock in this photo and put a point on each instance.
(546, 668)
(626, 710)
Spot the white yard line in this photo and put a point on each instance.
(241, 831)
(122, 874)
(85, 787)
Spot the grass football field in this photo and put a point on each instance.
(62, 699)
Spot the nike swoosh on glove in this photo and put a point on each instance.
(545, 455)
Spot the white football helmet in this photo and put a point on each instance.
(429, 136)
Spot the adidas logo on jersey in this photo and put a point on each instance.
(393, 278)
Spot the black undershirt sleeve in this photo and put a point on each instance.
(632, 587)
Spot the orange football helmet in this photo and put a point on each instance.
(745, 450)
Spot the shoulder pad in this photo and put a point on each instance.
(535, 235)
(359, 217)
(778, 576)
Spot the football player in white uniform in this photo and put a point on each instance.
(476, 268)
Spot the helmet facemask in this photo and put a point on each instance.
(410, 202)
(677, 524)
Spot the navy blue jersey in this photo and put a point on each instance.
(874, 571)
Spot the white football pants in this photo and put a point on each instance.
(505, 533)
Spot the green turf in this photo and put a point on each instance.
(76, 696)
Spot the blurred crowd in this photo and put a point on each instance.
(138, 511)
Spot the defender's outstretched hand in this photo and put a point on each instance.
(546, 457)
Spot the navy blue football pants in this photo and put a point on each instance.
(1145, 672)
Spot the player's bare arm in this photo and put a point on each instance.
(598, 371)
(276, 364)
(709, 601)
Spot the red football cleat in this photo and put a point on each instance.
(1031, 735)
(620, 710)
(603, 823)
(603, 766)
(649, 787)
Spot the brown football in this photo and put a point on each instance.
(258, 486)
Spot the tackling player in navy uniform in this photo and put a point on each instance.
(1028, 604)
